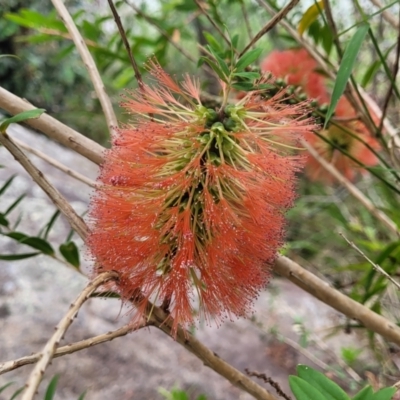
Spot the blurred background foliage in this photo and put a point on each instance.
(48, 72)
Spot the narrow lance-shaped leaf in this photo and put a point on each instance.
(346, 67)
(32, 241)
(37, 112)
(247, 59)
(310, 16)
(51, 389)
(15, 257)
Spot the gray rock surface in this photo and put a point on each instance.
(35, 293)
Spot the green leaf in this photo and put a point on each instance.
(15, 395)
(246, 86)
(3, 220)
(6, 185)
(310, 16)
(9, 55)
(303, 390)
(13, 205)
(4, 387)
(50, 224)
(247, 75)
(215, 45)
(368, 394)
(319, 381)
(247, 59)
(82, 396)
(215, 68)
(70, 253)
(364, 394)
(346, 67)
(221, 62)
(32, 241)
(385, 394)
(51, 389)
(36, 113)
(15, 257)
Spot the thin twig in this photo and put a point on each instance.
(269, 380)
(375, 266)
(56, 164)
(68, 349)
(332, 26)
(161, 31)
(353, 190)
(246, 20)
(333, 298)
(163, 321)
(53, 128)
(274, 20)
(387, 15)
(121, 29)
(49, 349)
(394, 143)
(73, 218)
(89, 64)
(392, 83)
(213, 23)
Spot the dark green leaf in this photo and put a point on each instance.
(215, 68)
(247, 59)
(32, 241)
(3, 220)
(323, 384)
(15, 395)
(15, 257)
(346, 67)
(4, 387)
(6, 185)
(221, 62)
(247, 75)
(70, 253)
(37, 112)
(82, 396)
(215, 45)
(51, 389)
(50, 224)
(246, 86)
(303, 390)
(14, 204)
(107, 294)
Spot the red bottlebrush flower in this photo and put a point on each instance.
(346, 141)
(192, 199)
(298, 68)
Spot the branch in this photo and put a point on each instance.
(53, 128)
(353, 190)
(160, 30)
(386, 14)
(375, 266)
(274, 20)
(73, 218)
(162, 321)
(68, 349)
(56, 164)
(49, 349)
(333, 298)
(394, 143)
(89, 64)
